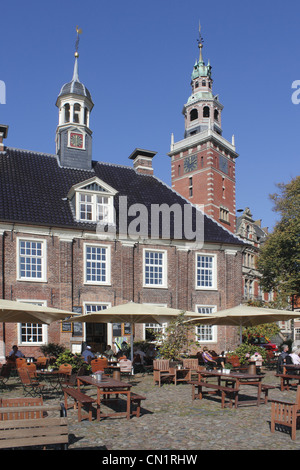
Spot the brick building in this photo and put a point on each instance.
(82, 235)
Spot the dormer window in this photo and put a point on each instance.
(93, 201)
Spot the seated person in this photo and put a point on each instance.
(210, 360)
(88, 355)
(15, 352)
(108, 352)
(295, 355)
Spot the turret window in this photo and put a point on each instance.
(67, 112)
(76, 113)
(216, 115)
(86, 115)
(203, 83)
(194, 114)
(206, 111)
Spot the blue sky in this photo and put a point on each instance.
(136, 58)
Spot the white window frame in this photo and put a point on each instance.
(214, 271)
(110, 219)
(43, 326)
(107, 282)
(213, 327)
(43, 258)
(164, 283)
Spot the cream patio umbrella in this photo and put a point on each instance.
(245, 315)
(23, 312)
(132, 312)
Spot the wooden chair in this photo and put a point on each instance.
(161, 371)
(32, 387)
(31, 367)
(42, 362)
(125, 367)
(99, 364)
(191, 364)
(4, 374)
(65, 375)
(286, 414)
(20, 362)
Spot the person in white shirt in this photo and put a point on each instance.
(295, 355)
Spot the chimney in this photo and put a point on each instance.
(142, 161)
(3, 135)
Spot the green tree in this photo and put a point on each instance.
(177, 338)
(279, 259)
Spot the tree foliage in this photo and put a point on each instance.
(279, 259)
(176, 339)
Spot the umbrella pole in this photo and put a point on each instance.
(131, 342)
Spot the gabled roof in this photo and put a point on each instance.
(34, 190)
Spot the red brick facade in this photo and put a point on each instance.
(65, 286)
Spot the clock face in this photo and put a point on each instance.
(76, 140)
(190, 163)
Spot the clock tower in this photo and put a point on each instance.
(203, 163)
(73, 134)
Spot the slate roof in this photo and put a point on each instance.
(34, 188)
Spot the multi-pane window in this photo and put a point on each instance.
(95, 208)
(103, 208)
(154, 268)
(85, 207)
(205, 333)
(205, 271)
(32, 333)
(31, 260)
(97, 264)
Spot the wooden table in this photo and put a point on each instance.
(180, 375)
(107, 387)
(238, 379)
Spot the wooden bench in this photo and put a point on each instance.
(80, 400)
(23, 403)
(285, 381)
(135, 400)
(228, 392)
(286, 414)
(34, 432)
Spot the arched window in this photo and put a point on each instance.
(76, 113)
(206, 111)
(196, 85)
(67, 112)
(86, 115)
(203, 83)
(216, 115)
(194, 114)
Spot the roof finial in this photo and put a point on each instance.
(79, 31)
(200, 43)
(75, 73)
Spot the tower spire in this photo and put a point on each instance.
(75, 72)
(200, 44)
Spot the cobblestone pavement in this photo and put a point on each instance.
(170, 420)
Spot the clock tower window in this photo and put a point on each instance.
(193, 115)
(206, 111)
